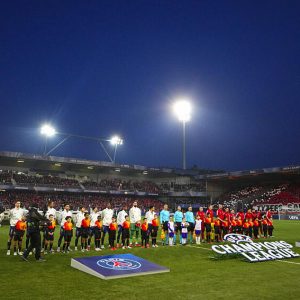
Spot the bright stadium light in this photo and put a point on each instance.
(47, 130)
(182, 109)
(116, 140)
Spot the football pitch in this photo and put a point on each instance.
(194, 274)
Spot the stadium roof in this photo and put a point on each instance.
(55, 164)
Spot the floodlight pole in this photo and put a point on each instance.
(115, 152)
(183, 147)
(45, 146)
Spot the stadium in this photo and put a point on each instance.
(36, 178)
(149, 149)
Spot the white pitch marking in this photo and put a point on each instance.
(288, 262)
(199, 247)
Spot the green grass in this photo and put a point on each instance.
(193, 275)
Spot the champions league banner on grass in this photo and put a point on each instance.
(116, 266)
(255, 251)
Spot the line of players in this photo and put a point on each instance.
(252, 223)
(125, 228)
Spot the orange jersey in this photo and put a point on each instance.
(52, 225)
(208, 220)
(250, 224)
(21, 225)
(126, 224)
(225, 224)
(113, 226)
(217, 222)
(85, 223)
(155, 222)
(246, 225)
(68, 226)
(98, 224)
(144, 227)
(265, 222)
(239, 223)
(270, 223)
(256, 223)
(233, 223)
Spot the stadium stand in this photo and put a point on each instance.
(75, 200)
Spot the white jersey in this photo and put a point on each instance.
(135, 214)
(107, 215)
(171, 227)
(50, 211)
(198, 224)
(15, 215)
(184, 228)
(79, 218)
(94, 217)
(65, 214)
(150, 216)
(121, 217)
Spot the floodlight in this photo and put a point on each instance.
(182, 109)
(116, 140)
(48, 130)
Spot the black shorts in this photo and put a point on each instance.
(18, 235)
(125, 233)
(208, 227)
(97, 233)
(217, 230)
(11, 231)
(165, 225)
(49, 236)
(178, 226)
(154, 231)
(191, 227)
(85, 232)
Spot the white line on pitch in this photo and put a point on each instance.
(289, 262)
(199, 247)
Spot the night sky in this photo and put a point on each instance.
(98, 68)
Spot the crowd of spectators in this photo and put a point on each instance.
(122, 185)
(45, 180)
(282, 194)
(5, 176)
(75, 200)
(263, 194)
(192, 187)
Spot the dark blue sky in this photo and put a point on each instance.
(102, 67)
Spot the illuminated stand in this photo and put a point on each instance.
(116, 266)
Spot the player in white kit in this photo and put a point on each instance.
(15, 215)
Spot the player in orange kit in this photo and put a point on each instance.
(68, 233)
(126, 233)
(85, 232)
(113, 226)
(97, 233)
(20, 228)
(145, 234)
(49, 234)
(154, 231)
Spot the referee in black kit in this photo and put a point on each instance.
(34, 221)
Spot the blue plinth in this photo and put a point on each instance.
(116, 266)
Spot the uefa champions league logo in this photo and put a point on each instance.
(237, 238)
(118, 264)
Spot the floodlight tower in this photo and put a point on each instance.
(182, 109)
(116, 141)
(48, 131)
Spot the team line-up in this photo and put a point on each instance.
(126, 228)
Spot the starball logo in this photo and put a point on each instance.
(237, 238)
(118, 264)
